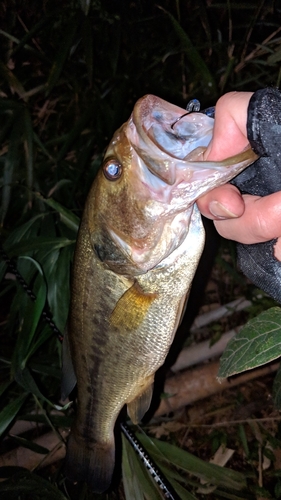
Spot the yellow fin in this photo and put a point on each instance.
(131, 308)
(138, 407)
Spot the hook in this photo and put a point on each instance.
(192, 106)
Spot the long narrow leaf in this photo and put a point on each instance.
(30, 34)
(59, 287)
(26, 380)
(23, 232)
(87, 38)
(66, 43)
(4, 386)
(31, 486)
(75, 131)
(138, 484)
(41, 242)
(210, 472)
(29, 445)
(193, 55)
(28, 147)
(12, 80)
(10, 411)
(67, 217)
(12, 161)
(31, 320)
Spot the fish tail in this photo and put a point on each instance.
(91, 463)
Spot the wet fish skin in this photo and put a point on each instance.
(139, 244)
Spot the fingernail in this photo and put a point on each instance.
(220, 211)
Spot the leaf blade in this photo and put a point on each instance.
(257, 343)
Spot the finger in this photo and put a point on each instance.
(230, 133)
(224, 202)
(261, 220)
(277, 249)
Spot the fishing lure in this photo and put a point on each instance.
(193, 106)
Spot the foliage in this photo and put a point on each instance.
(70, 73)
(256, 344)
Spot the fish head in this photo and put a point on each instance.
(152, 173)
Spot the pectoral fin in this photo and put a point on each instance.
(138, 407)
(181, 310)
(131, 309)
(68, 376)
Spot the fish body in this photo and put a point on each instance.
(138, 247)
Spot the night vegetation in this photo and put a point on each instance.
(70, 73)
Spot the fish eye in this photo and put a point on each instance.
(112, 169)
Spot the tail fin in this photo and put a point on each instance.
(93, 464)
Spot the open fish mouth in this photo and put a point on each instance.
(167, 177)
(170, 145)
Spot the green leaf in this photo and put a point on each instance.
(33, 312)
(243, 436)
(85, 6)
(75, 132)
(276, 389)
(181, 491)
(58, 278)
(138, 483)
(67, 217)
(62, 54)
(26, 230)
(3, 270)
(87, 38)
(30, 34)
(12, 161)
(41, 242)
(45, 334)
(193, 56)
(25, 380)
(41, 146)
(28, 148)
(274, 58)
(4, 386)
(12, 80)
(27, 483)
(57, 420)
(30, 445)
(10, 411)
(211, 473)
(44, 368)
(258, 342)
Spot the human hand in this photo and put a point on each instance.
(244, 218)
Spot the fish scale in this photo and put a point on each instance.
(138, 247)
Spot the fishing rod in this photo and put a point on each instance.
(149, 464)
(167, 489)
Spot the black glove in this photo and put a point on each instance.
(263, 177)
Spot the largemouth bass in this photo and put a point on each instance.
(139, 244)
